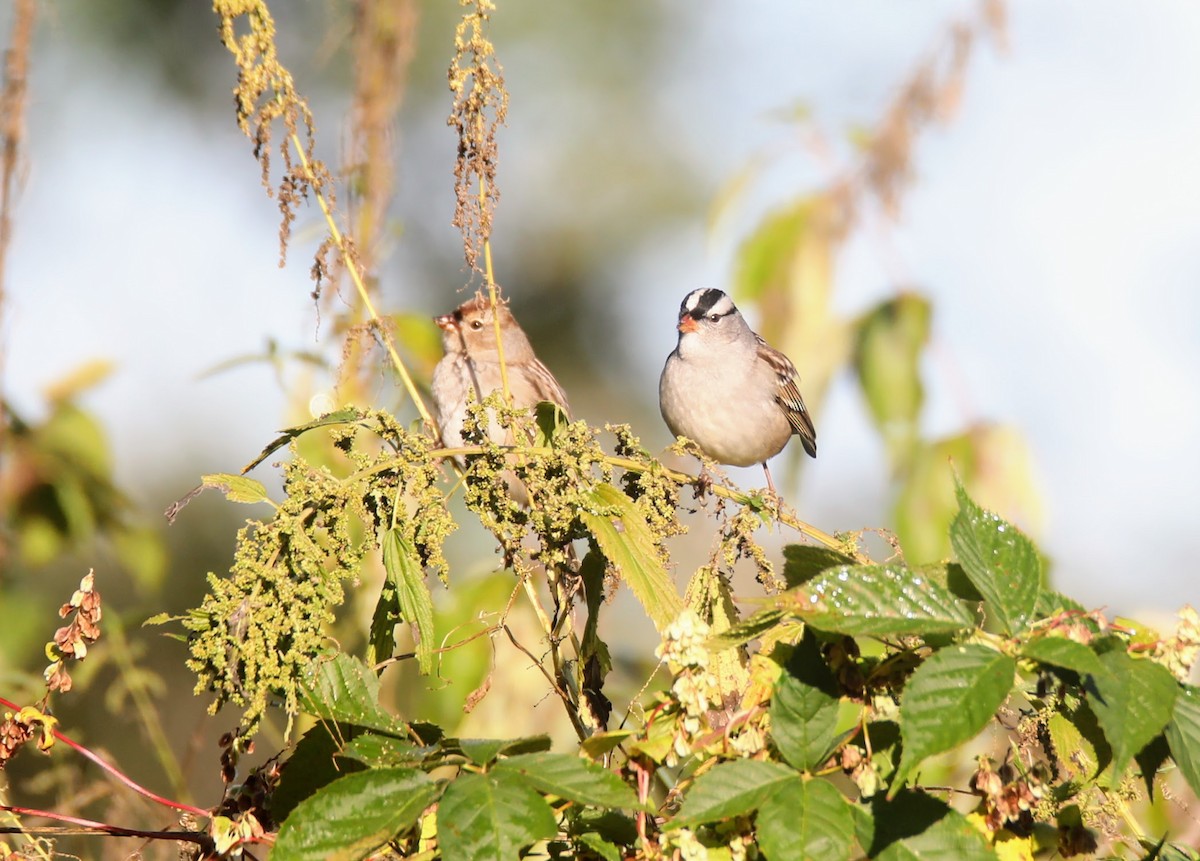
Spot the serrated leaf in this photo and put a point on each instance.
(337, 417)
(805, 821)
(731, 789)
(802, 562)
(1080, 749)
(345, 689)
(481, 751)
(485, 816)
(354, 815)
(1164, 851)
(568, 776)
(385, 751)
(804, 708)
(949, 699)
(407, 577)
(1000, 561)
(918, 827)
(1061, 652)
(607, 851)
(237, 488)
(598, 744)
(630, 549)
(1183, 736)
(876, 600)
(1133, 702)
(313, 764)
(744, 631)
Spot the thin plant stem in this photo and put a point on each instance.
(356, 277)
(489, 276)
(91, 826)
(114, 772)
(146, 711)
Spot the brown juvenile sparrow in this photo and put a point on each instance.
(472, 364)
(727, 390)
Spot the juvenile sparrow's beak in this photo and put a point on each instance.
(687, 323)
(446, 323)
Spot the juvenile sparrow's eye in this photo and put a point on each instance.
(476, 324)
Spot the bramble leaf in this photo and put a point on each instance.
(1133, 701)
(1000, 561)
(568, 776)
(1183, 736)
(493, 815)
(731, 789)
(1061, 652)
(345, 689)
(949, 699)
(918, 827)
(804, 708)
(876, 600)
(354, 815)
(805, 821)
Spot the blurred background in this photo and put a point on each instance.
(974, 227)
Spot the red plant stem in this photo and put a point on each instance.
(104, 828)
(112, 770)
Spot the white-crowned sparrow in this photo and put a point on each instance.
(472, 364)
(727, 390)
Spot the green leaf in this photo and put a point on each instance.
(607, 851)
(630, 549)
(805, 821)
(598, 744)
(804, 708)
(731, 789)
(1133, 702)
(345, 689)
(744, 631)
(1164, 851)
(1001, 562)
(568, 776)
(802, 562)
(887, 353)
(405, 574)
(877, 600)
(1061, 652)
(1081, 752)
(918, 827)
(237, 488)
(354, 815)
(949, 699)
(1183, 736)
(337, 417)
(311, 766)
(385, 751)
(486, 816)
(767, 257)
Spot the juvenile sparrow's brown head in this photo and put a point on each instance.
(470, 329)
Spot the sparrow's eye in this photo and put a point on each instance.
(476, 324)
(714, 318)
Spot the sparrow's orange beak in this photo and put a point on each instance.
(446, 323)
(687, 323)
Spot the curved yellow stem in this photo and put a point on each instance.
(356, 277)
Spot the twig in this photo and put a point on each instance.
(114, 772)
(572, 712)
